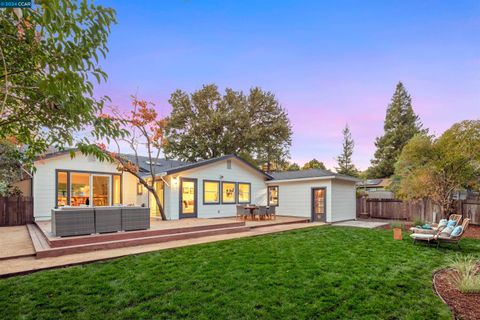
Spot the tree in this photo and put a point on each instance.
(49, 59)
(344, 160)
(146, 131)
(314, 164)
(292, 167)
(10, 168)
(206, 124)
(435, 168)
(401, 124)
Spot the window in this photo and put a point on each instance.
(62, 189)
(211, 192)
(139, 188)
(273, 196)
(228, 192)
(117, 198)
(243, 192)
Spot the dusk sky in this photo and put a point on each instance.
(328, 62)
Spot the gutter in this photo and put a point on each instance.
(311, 179)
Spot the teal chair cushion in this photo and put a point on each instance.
(457, 231)
(451, 223)
(447, 231)
(443, 223)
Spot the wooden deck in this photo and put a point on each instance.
(47, 245)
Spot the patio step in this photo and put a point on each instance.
(108, 237)
(43, 252)
(279, 223)
(38, 238)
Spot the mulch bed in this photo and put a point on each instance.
(464, 306)
(473, 232)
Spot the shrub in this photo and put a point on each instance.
(395, 225)
(417, 221)
(465, 278)
(469, 284)
(6, 190)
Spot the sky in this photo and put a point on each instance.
(329, 63)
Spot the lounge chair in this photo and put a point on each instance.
(435, 229)
(242, 212)
(455, 239)
(423, 237)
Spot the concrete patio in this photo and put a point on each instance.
(368, 224)
(15, 242)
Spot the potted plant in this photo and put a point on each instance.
(397, 230)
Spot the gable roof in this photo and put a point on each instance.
(161, 165)
(309, 174)
(144, 166)
(55, 153)
(197, 164)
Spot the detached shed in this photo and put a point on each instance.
(320, 195)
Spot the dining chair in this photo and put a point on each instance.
(271, 212)
(242, 212)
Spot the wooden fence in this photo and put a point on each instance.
(409, 210)
(16, 211)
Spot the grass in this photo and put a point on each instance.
(325, 272)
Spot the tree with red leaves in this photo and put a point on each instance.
(146, 129)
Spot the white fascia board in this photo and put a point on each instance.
(312, 179)
(299, 179)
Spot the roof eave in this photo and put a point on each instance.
(333, 177)
(300, 179)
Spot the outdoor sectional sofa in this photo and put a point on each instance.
(75, 221)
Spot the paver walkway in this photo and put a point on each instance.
(361, 224)
(15, 242)
(29, 264)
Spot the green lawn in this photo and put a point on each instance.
(326, 272)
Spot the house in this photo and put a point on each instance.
(204, 189)
(376, 188)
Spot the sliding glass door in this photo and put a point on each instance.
(87, 189)
(79, 189)
(101, 190)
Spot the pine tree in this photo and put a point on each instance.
(345, 165)
(401, 124)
